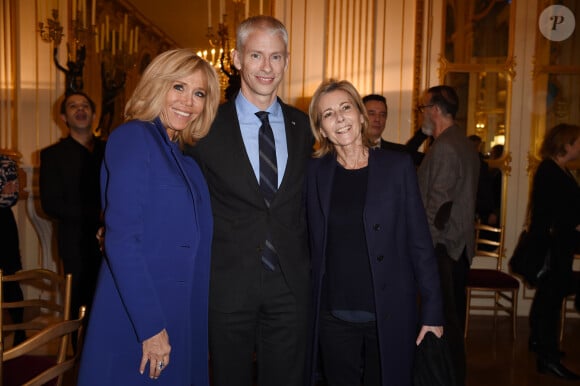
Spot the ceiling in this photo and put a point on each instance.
(186, 21)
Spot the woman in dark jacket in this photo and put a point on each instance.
(555, 214)
(371, 249)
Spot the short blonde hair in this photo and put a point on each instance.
(264, 22)
(148, 99)
(325, 146)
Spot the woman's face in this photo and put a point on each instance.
(573, 150)
(340, 120)
(184, 102)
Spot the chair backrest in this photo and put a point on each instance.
(489, 243)
(52, 339)
(46, 292)
(46, 300)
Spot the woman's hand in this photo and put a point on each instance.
(101, 238)
(156, 350)
(437, 330)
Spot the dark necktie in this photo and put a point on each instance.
(268, 181)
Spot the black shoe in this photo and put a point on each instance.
(557, 369)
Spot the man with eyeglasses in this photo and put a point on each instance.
(448, 178)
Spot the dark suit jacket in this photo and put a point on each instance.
(241, 218)
(70, 194)
(417, 155)
(400, 251)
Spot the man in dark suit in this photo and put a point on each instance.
(448, 178)
(259, 287)
(69, 193)
(377, 110)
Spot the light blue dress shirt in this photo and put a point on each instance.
(250, 126)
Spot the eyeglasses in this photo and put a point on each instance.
(422, 108)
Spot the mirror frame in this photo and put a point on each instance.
(506, 67)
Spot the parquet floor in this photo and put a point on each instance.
(494, 358)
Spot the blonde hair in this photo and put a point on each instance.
(148, 99)
(325, 146)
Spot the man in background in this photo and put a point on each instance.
(377, 110)
(69, 194)
(448, 178)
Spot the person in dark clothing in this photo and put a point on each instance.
(484, 205)
(10, 261)
(555, 219)
(377, 110)
(368, 231)
(69, 193)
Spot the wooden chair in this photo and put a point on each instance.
(23, 365)
(568, 304)
(46, 303)
(47, 300)
(497, 290)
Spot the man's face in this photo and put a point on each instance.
(262, 63)
(427, 123)
(78, 114)
(377, 112)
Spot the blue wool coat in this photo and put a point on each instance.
(156, 270)
(401, 255)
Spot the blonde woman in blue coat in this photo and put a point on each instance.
(149, 317)
(371, 249)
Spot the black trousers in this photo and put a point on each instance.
(10, 263)
(545, 315)
(349, 352)
(272, 325)
(453, 276)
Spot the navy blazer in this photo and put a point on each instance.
(401, 254)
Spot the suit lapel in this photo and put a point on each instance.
(324, 181)
(291, 144)
(234, 145)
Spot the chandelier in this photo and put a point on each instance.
(222, 40)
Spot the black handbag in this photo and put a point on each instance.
(531, 257)
(433, 364)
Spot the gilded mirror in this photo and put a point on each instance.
(478, 62)
(556, 74)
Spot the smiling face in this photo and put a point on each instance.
(262, 62)
(78, 114)
(340, 120)
(184, 101)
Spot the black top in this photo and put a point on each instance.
(555, 204)
(348, 284)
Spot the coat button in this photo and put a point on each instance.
(377, 227)
(380, 258)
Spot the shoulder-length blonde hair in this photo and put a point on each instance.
(556, 139)
(325, 146)
(148, 99)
